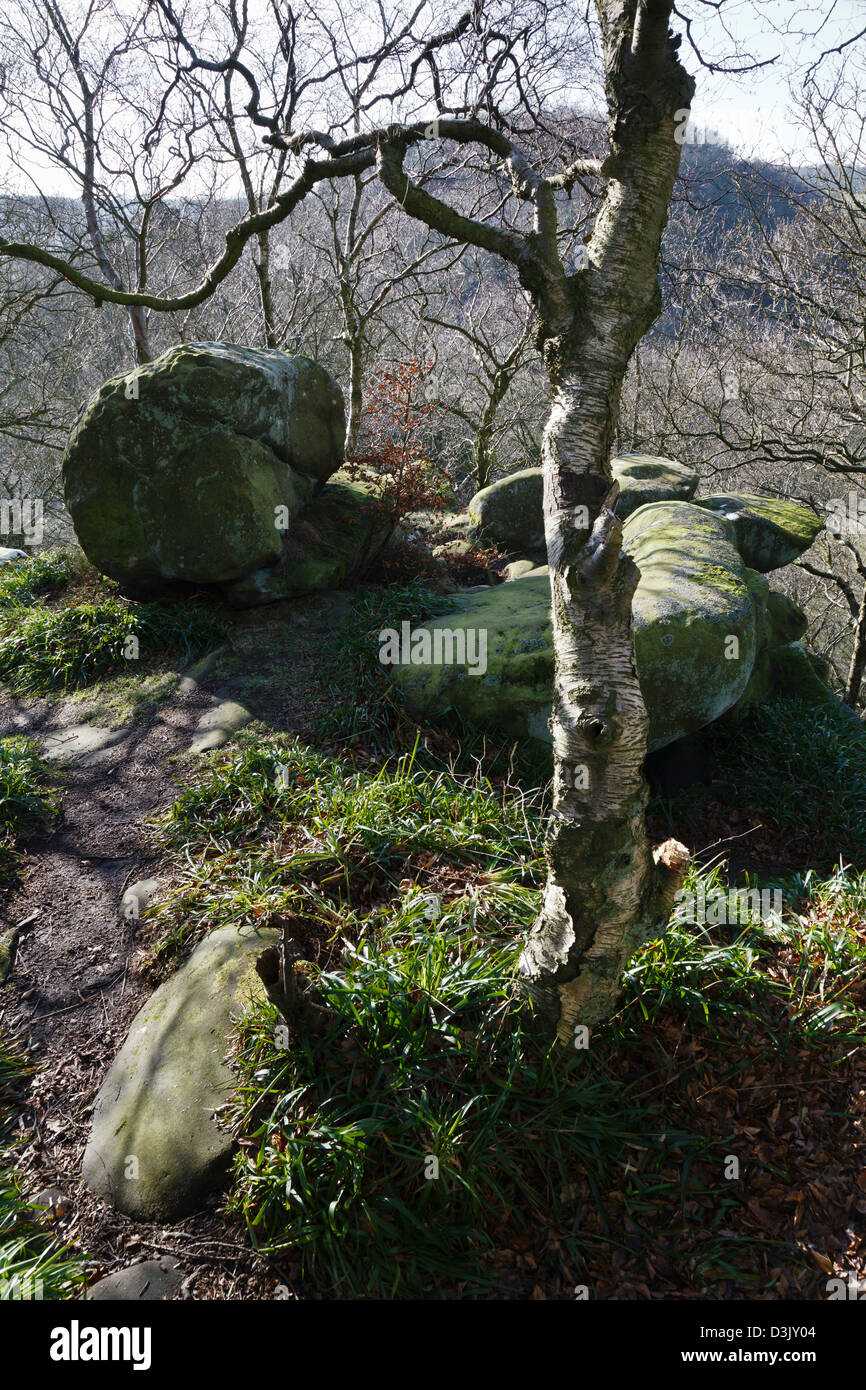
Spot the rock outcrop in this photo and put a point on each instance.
(707, 628)
(192, 468)
(155, 1150)
(510, 513)
(768, 533)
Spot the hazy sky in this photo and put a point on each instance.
(751, 111)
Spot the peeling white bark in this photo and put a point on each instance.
(606, 891)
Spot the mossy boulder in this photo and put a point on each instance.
(695, 616)
(701, 618)
(155, 1150)
(510, 512)
(330, 544)
(187, 469)
(645, 478)
(767, 532)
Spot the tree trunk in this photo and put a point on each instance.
(355, 403)
(266, 297)
(606, 891)
(482, 451)
(140, 339)
(858, 656)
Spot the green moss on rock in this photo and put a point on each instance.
(176, 471)
(645, 478)
(767, 532)
(331, 543)
(155, 1150)
(510, 512)
(701, 616)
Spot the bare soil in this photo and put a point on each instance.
(73, 989)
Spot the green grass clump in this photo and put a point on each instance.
(384, 1154)
(284, 828)
(46, 649)
(22, 582)
(33, 1264)
(427, 1059)
(27, 805)
(704, 970)
(354, 816)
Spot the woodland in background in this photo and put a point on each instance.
(755, 372)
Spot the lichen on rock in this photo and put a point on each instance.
(705, 625)
(189, 468)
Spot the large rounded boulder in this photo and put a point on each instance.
(191, 467)
(510, 512)
(706, 630)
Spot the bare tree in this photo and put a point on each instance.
(497, 329)
(83, 99)
(374, 271)
(492, 76)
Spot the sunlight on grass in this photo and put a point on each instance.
(33, 1264)
(61, 649)
(428, 1067)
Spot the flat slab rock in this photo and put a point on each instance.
(217, 726)
(147, 1282)
(80, 743)
(155, 1150)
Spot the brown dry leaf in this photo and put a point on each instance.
(822, 1261)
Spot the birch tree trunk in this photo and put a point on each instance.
(606, 891)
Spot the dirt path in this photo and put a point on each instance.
(72, 991)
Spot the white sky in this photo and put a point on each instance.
(751, 111)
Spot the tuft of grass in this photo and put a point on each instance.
(353, 815)
(60, 649)
(384, 1155)
(27, 805)
(33, 1263)
(25, 581)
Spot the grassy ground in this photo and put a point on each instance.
(47, 647)
(428, 1145)
(32, 1263)
(706, 1144)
